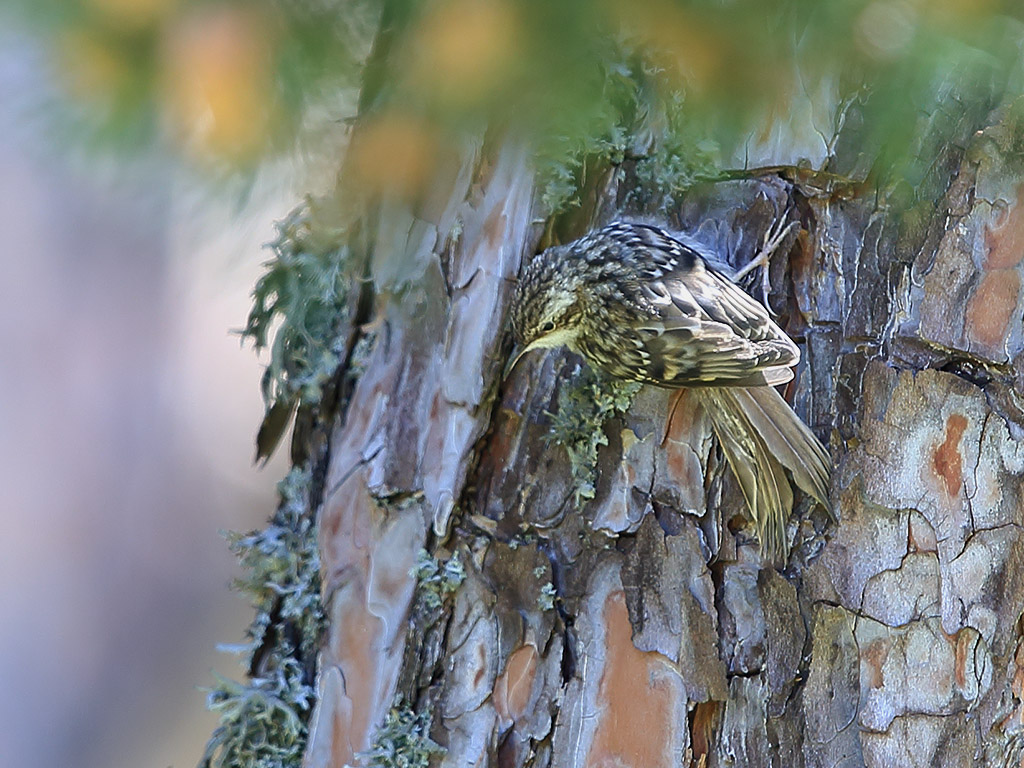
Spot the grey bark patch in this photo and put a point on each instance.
(670, 599)
(785, 640)
(831, 692)
(741, 614)
(744, 738)
(922, 741)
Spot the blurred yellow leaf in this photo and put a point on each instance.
(678, 38)
(134, 14)
(394, 154)
(953, 14)
(218, 82)
(465, 49)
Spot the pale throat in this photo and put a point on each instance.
(560, 337)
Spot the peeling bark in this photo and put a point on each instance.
(642, 628)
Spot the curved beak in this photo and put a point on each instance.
(514, 358)
(560, 338)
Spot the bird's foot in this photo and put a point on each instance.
(779, 233)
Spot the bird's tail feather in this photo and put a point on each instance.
(760, 435)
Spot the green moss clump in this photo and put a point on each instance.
(402, 741)
(263, 723)
(584, 405)
(681, 156)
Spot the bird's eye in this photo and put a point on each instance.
(548, 327)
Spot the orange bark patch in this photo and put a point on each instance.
(965, 642)
(992, 306)
(501, 441)
(627, 467)
(345, 533)
(921, 535)
(637, 699)
(960, 659)
(1017, 686)
(515, 685)
(354, 647)
(1005, 240)
(874, 656)
(681, 415)
(705, 716)
(947, 462)
(481, 670)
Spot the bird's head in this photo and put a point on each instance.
(546, 307)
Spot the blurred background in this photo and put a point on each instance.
(128, 410)
(146, 148)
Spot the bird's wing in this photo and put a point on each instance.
(705, 331)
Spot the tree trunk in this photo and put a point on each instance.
(488, 586)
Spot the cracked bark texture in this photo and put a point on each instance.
(890, 639)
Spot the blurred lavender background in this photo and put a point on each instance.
(127, 416)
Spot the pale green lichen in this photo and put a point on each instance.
(402, 741)
(546, 599)
(263, 723)
(436, 579)
(282, 565)
(584, 405)
(303, 294)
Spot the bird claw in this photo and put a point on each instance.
(776, 235)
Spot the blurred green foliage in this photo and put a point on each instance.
(235, 81)
(300, 302)
(226, 83)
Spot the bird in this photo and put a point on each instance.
(642, 304)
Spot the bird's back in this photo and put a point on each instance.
(690, 324)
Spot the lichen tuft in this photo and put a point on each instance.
(402, 741)
(304, 290)
(263, 723)
(436, 579)
(584, 405)
(638, 119)
(546, 598)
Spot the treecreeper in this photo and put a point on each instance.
(641, 304)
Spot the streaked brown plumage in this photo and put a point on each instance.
(643, 305)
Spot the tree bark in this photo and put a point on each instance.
(637, 625)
